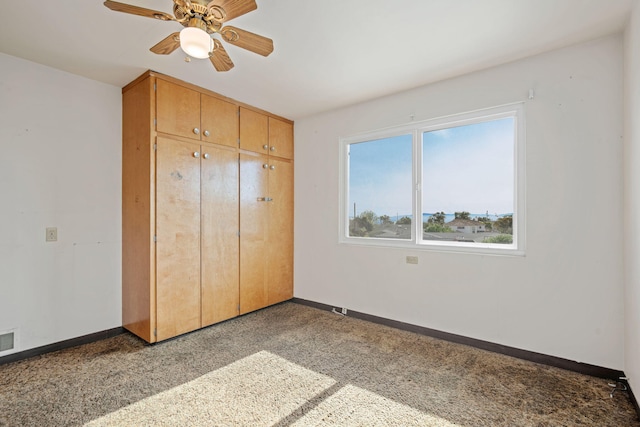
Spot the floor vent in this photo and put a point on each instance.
(6, 341)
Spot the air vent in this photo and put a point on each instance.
(6, 341)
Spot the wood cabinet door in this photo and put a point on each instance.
(254, 131)
(220, 120)
(178, 238)
(253, 228)
(177, 110)
(280, 232)
(280, 138)
(219, 226)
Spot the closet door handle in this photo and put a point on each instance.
(265, 166)
(196, 154)
(273, 148)
(272, 167)
(265, 146)
(206, 133)
(196, 131)
(205, 155)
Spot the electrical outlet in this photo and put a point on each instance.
(412, 259)
(52, 234)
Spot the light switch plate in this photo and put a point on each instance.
(412, 259)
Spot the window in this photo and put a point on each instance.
(455, 183)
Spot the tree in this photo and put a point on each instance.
(385, 219)
(500, 238)
(362, 224)
(405, 220)
(369, 216)
(435, 227)
(504, 225)
(462, 215)
(436, 218)
(486, 221)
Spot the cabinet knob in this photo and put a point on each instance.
(196, 131)
(272, 167)
(206, 133)
(205, 155)
(265, 166)
(273, 148)
(265, 146)
(196, 154)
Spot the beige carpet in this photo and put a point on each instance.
(292, 365)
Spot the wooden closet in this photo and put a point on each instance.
(207, 210)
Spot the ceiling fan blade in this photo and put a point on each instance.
(219, 57)
(246, 40)
(140, 11)
(167, 45)
(226, 10)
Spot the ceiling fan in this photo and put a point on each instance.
(201, 19)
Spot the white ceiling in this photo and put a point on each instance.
(328, 53)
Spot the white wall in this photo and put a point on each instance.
(565, 297)
(60, 166)
(632, 199)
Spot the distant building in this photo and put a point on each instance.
(466, 226)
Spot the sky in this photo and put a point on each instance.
(465, 168)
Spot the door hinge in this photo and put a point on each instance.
(238, 233)
(238, 142)
(155, 147)
(155, 87)
(155, 238)
(155, 332)
(155, 122)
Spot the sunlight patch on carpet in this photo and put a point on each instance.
(258, 390)
(353, 406)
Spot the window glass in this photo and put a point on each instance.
(454, 183)
(380, 190)
(468, 183)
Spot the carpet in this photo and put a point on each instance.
(293, 365)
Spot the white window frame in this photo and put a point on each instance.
(417, 129)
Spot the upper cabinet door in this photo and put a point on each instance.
(254, 131)
(280, 138)
(178, 110)
(219, 121)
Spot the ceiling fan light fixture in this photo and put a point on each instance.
(196, 42)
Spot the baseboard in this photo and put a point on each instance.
(634, 401)
(73, 342)
(544, 359)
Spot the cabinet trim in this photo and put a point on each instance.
(201, 90)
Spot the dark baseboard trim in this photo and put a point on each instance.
(544, 359)
(634, 401)
(73, 342)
